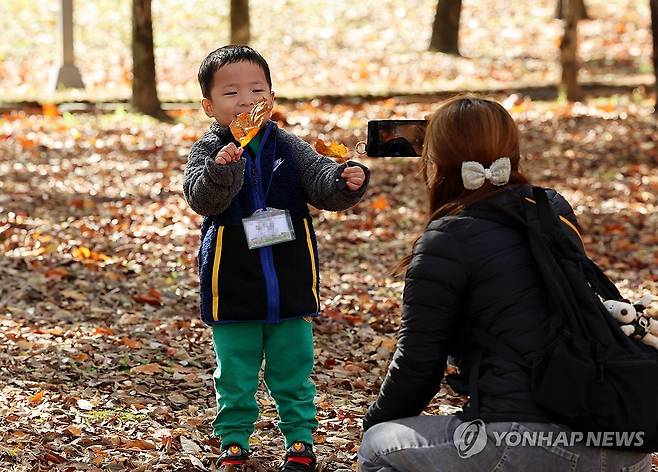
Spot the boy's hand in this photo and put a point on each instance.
(229, 153)
(354, 176)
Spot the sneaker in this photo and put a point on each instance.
(232, 459)
(299, 458)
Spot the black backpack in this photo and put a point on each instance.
(590, 377)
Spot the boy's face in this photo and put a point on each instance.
(236, 87)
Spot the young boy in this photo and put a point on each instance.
(258, 294)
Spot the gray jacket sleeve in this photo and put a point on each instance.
(209, 187)
(323, 186)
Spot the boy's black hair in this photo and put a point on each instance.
(229, 55)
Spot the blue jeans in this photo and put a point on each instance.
(426, 444)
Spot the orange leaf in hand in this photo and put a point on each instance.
(335, 150)
(246, 125)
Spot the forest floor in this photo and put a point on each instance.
(104, 363)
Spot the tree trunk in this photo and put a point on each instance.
(144, 94)
(654, 32)
(569, 52)
(559, 12)
(445, 31)
(240, 22)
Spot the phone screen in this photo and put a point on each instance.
(395, 138)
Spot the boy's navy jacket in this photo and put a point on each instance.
(276, 282)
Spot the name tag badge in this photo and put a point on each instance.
(268, 227)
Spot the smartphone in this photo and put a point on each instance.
(395, 138)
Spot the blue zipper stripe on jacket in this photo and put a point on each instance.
(265, 253)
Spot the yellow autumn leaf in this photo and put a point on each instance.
(84, 253)
(81, 252)
(334, 150)
(246, 125)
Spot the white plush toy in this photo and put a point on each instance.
(633, 320)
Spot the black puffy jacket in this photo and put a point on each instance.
(466, 272)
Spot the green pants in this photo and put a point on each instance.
(288, 351)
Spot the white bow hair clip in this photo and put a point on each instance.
(474, 174)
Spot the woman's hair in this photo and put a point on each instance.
(465, 129)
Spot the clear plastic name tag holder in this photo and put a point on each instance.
(268, 227)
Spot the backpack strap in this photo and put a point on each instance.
(549, 222)
(550, 225)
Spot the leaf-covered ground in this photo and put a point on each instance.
(104, 364)
(324, 47)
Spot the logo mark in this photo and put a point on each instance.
(277, 164)
(470, 438)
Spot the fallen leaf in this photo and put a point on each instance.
(74, 295)
(74, 431)
(148, 369)
(380, 203)
(83, 253)
(153, 297)
(137, 444)
(190, 446)
(85, 405)
(57, 273)
(131, 343)
(103, 331)
(50, 456)
(49, 109)
(24, 344)
(36, 398)
(178, 398)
